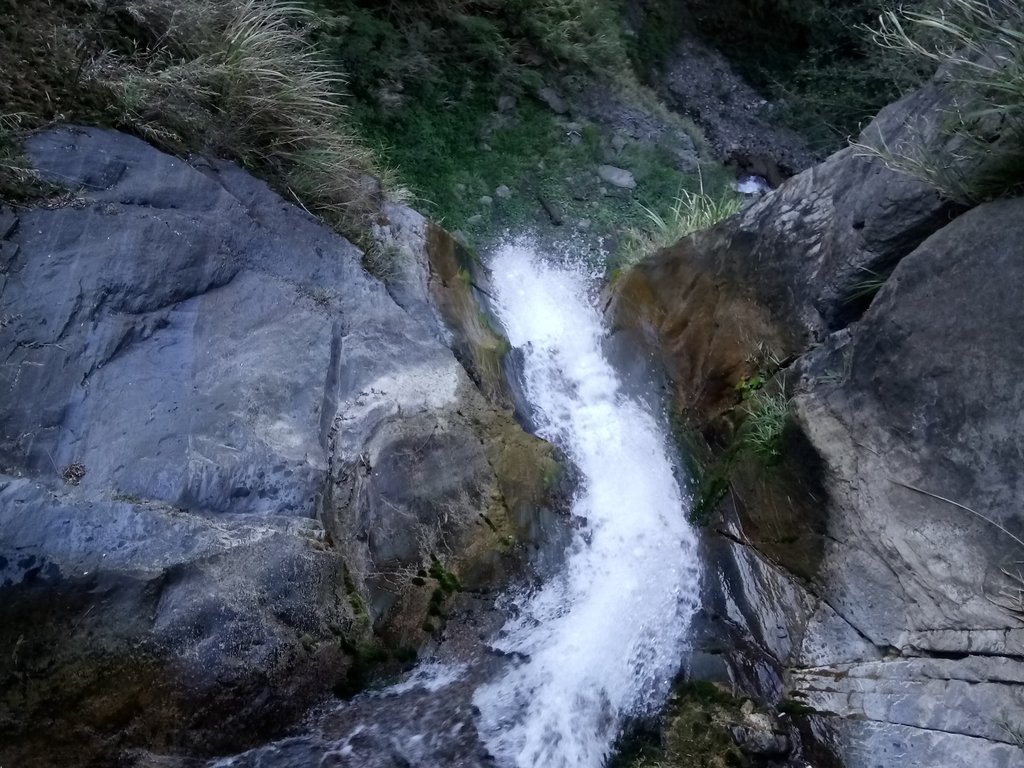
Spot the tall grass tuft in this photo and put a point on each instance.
(690, 212)
(766, 419)
(239, 78)
(979, 47)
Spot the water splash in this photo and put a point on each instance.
(601, 641)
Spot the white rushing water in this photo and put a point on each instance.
(601, 641)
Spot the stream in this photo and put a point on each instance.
(557, 671)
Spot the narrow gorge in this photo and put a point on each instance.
(552, 385)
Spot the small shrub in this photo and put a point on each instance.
(762, 429)
(586, 32)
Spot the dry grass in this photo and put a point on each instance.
(12, 164)
(238, 78)
(979, 47)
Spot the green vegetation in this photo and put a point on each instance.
(15, 174)
(446, 93)
(758, 440)
(441, 97)
(240, 79)
(695, 732)
(689, 212)
(235, 78)
(980, 46)
(447, 585)
(762, 429)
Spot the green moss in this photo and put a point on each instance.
(355, 599)
(365, 658)
(695, 732)
(447, 581)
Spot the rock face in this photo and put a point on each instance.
(226, 452)
(735, 118)
(791, 268)
(872, 577)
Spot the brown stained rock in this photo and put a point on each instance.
(454, 278)
(710, 336)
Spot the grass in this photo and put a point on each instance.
(980, 47)
(759, 438)
(452, 156)
(240, 79)
(15, 173)
(689, 212)
(765, 422)
(261, 82)
(426, 82)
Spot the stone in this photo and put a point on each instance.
(503, 192)
(888, 606)
(618, 142)
(617, 177)
(506, 102)
(734, 117)
(486, 201)
(553, 100)
(222, 445)
(789, 265)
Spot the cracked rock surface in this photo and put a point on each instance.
(872, 578)
(224, 452)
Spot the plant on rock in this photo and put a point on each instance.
(690, 212)
(240, 78)
(979, 46)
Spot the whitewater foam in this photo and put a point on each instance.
(602, 640)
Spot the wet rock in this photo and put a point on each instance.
(265, 442)
(617, 177)
(865, 574)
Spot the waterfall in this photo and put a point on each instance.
(602, 638)
(600, 641)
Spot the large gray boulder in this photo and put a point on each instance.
(796, 265)
(907, 634)
(227, 454)
(869, 582)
